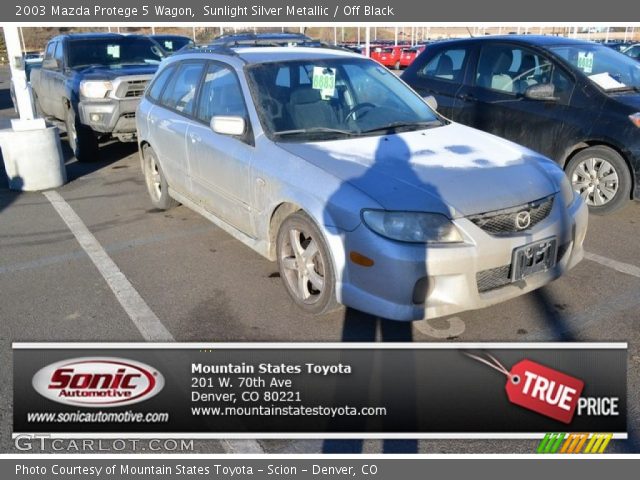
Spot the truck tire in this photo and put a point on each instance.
(82, 140)
(602, 177)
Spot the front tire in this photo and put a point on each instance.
(305, 264)
(82, 140)
(601, 177)
(156, 182)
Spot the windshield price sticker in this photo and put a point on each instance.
(585, 61)
(541, 389)
(324, 79)
(113, 51)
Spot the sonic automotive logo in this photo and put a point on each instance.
(98, 382)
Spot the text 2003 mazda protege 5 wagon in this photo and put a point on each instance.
(329, 164)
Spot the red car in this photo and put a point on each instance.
(388, 56)
(409, 54)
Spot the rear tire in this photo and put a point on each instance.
(156, 182)
(305, 265)
(81, 138)
(601, 177)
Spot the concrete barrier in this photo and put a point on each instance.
(33, 158)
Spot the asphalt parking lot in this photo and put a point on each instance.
(202, 285)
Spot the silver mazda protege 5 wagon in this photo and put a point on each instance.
(326, 162)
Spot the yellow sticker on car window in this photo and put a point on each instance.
(585, 61)
(324, 79)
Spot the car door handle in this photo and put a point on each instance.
(466, 96)
(194, 138)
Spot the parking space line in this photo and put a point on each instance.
(149, 325)
(613, 264)
(141, 315)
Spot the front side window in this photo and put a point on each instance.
(159, 82)
(220, 94)
(447, 65)
(180, 94)
(513, 69)
(325, 98)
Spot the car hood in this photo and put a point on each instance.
(454, 170)
(110, 73)
(629, 99)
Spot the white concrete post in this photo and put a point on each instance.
(395, 36)
(18, 75)
(367, 36)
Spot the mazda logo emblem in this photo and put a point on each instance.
(523, 220)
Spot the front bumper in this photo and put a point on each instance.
(114, 116)
(411, 282)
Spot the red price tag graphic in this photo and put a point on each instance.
(544, 390)
(539, 388)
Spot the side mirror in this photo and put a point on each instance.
(51, 64)
(542, 91)
(432, 102)
(225, 125)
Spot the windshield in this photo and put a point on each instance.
(605, 67)
(113, 52)
(172, 44)
(326, 98)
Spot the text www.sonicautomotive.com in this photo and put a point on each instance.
(98, 417)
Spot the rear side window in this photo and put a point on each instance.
(221, 94)
(160, 81)
(180, 93)
(447, 65)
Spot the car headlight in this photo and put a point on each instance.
(95, 89)
(635, 119)
(566, 191)
(413, 227)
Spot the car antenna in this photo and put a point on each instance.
(470, 34)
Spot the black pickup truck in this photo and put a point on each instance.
(93, 83)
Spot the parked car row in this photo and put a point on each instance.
(396, 57)
(365, 195)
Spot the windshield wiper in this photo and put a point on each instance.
(302, 131)
(398, 125)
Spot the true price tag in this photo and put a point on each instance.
(542, 389)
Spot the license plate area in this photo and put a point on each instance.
(533, 258)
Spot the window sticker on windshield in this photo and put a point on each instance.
(113, 51)
(585, 61)
(324, 79)
(168, 44)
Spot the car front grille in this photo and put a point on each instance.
(505, 222)
(133, 88)
(494, 278)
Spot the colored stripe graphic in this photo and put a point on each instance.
(569, 443)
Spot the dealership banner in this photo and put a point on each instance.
(300, 390)
(317, 11)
